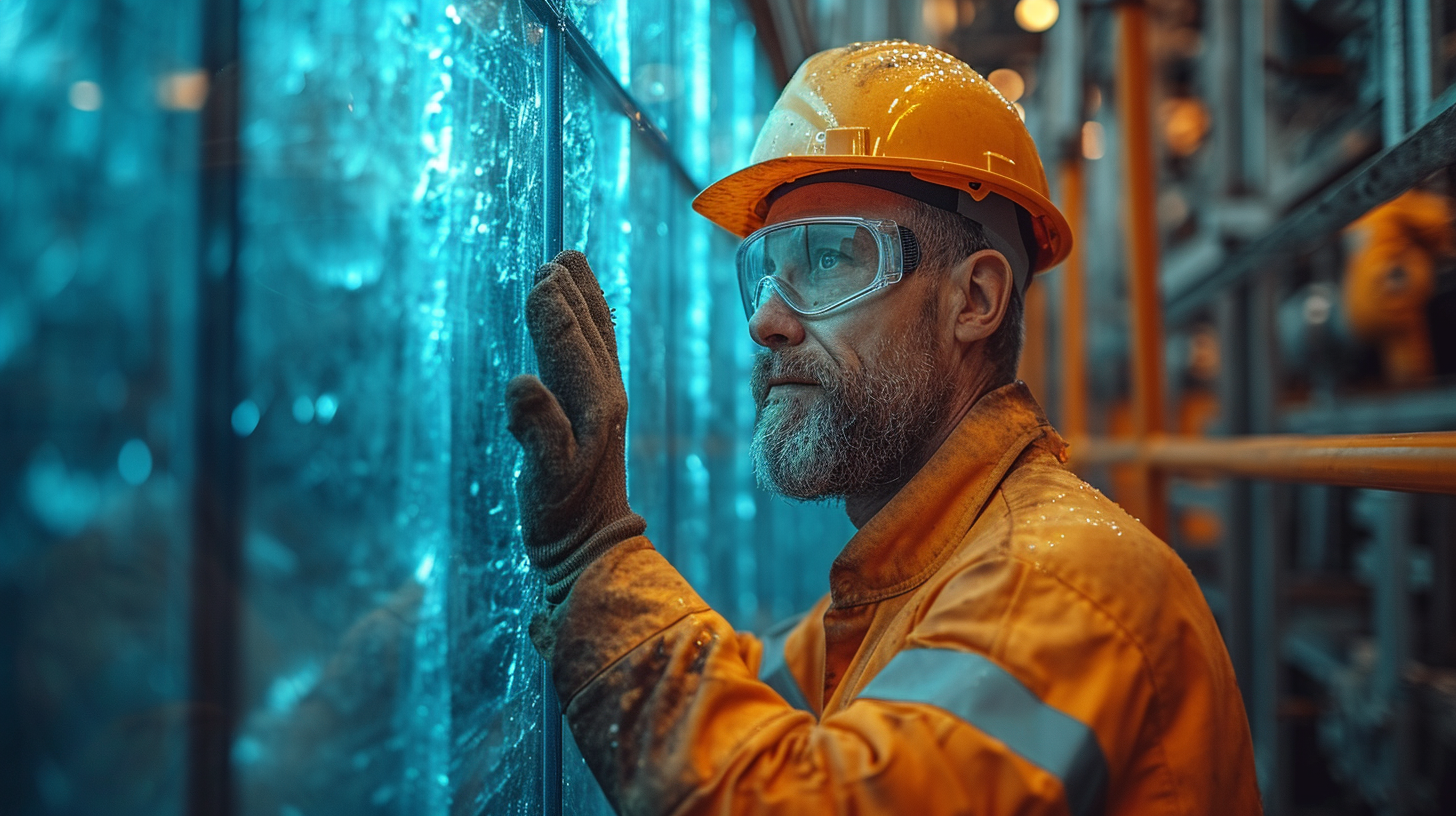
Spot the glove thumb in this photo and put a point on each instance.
(534, 417)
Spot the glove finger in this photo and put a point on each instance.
(591, 291)
(536, 420)
(568, 363)
(571, 290)
(577, 302)
(545, 271)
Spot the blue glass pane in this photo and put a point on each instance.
(391, 213)
(96, 255)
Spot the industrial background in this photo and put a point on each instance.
(263, 270)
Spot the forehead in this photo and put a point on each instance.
(837, 198)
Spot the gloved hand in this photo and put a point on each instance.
(572, 424)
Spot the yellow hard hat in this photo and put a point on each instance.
(903, 108)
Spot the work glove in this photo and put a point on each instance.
(572, 424)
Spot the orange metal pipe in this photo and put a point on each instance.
(1134, 78)
(1074, 306)
(1420, 463)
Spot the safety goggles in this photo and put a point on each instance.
(819, 264)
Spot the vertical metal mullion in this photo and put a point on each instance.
(554, 201)
(214, 664)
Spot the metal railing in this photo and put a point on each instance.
(1417, 463)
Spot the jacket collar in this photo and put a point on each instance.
(910, 537)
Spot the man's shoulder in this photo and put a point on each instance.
(1072, 531)
(1051, 549)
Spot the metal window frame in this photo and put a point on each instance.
(564, 39)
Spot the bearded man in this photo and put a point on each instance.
(998, 637)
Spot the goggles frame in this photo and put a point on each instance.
(899, 254)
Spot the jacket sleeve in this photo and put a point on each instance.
(664, 700)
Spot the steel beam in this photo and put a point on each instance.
(1392, 71)
(1419, 65)
(1266, 533)
(1430, 148)
(1391, 518)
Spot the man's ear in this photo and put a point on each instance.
(983, 284)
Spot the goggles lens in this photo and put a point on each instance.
(819, 264)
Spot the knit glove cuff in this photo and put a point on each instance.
(561, 566)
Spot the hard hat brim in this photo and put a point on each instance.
(738, 202)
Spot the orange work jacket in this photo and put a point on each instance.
(999, 639)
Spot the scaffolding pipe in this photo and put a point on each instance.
(1134, 80)
(1416, 463)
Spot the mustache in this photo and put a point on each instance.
(791, 364)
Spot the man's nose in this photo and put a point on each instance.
(774, 325)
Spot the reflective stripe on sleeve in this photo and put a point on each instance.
(774, 670)
(986, 696)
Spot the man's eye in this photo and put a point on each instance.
(827, 261)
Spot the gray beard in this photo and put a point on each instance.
(861, 430)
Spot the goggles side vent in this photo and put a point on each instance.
(909, 250)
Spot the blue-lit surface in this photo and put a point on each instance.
(391, 210)
(97, 195)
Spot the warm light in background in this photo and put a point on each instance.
(968, 13)
(1020, 111)
(1008, 82)
(1185, 122)
(1093, 141)
(85, 95)
(183, 90)
(939, 16)
(1037, 15)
